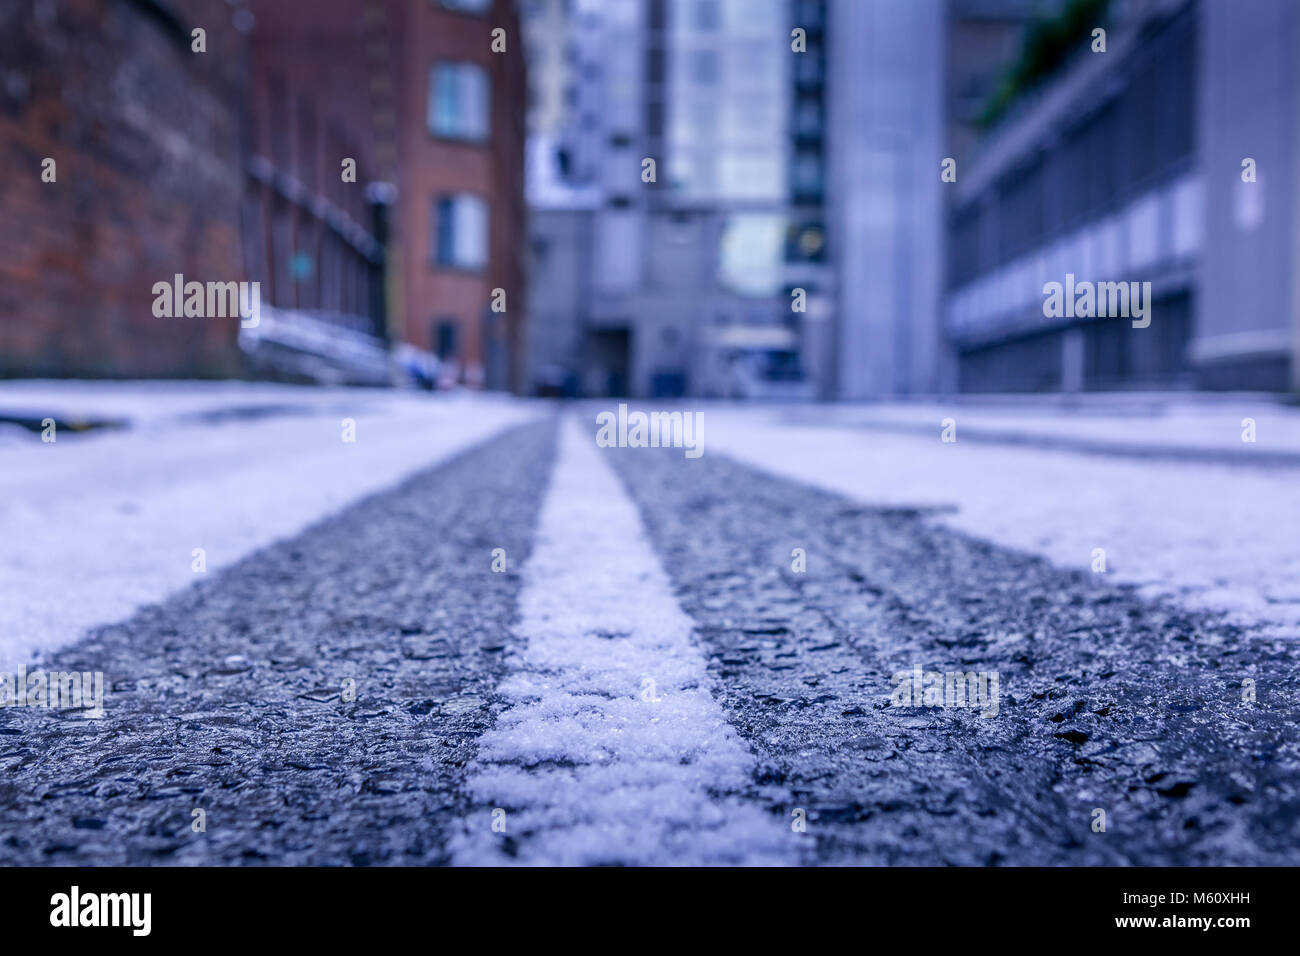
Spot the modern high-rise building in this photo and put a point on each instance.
(563, 149)
(809, 276)
(946, 159)
(660, 189)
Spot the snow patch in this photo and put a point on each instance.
(591, 761)
(94, 526)
(1211, 536)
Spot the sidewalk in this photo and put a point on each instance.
(82, 404)
(1155, 425)
(1176, 509)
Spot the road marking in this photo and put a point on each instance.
(612, 748)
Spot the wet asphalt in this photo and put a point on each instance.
(1107, 701)
(232, 697)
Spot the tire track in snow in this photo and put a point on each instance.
(611, 749)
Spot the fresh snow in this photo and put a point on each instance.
(611, 748)
(1214, 536)
(97, 524)
(1207, 425)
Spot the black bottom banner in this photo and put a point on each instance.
(334, 906)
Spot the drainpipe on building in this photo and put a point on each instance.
(380, 196)
(1295, 226)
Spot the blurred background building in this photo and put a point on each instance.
(322, 91)
(462, 213)
(145, 138)
(670, 280)
(886, 142)
(227, 164)
(819, 167)
(1127, 165)
(739, 198)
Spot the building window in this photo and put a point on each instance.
(657, 16)
(806, 174)
(809, 15)
(446, 338)
(655, 65)
(808, 118)
(460, 231)
(704, 67)
(459, 101)
(751, 253)
(467, 6)
(808, 67)
(706, 14)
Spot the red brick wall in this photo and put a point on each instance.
(321, 89)
(510, 213)
(150, 140)
(431, 166)
(146, 137)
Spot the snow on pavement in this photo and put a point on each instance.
(1206, 425)
(1213, 536)
(94, 526)
(612, 748)
(149, 403)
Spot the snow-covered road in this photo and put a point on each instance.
(95, 525)
(683, 660)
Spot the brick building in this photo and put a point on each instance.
(145, 138)
(462, 213)
(413, 93)
(322, 133)
(228, 165)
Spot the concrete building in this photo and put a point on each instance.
(885, 149)
(1128, 165)
(981, 38)
(1246, 323)
(905, 84)
(686, 260)
(563, 152)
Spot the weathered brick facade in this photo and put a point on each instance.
(225, 166)
(490, 344)
(145, 135)
(321, 90)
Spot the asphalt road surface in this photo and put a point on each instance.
(672, 661)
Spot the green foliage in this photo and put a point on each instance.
(1048, 44)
